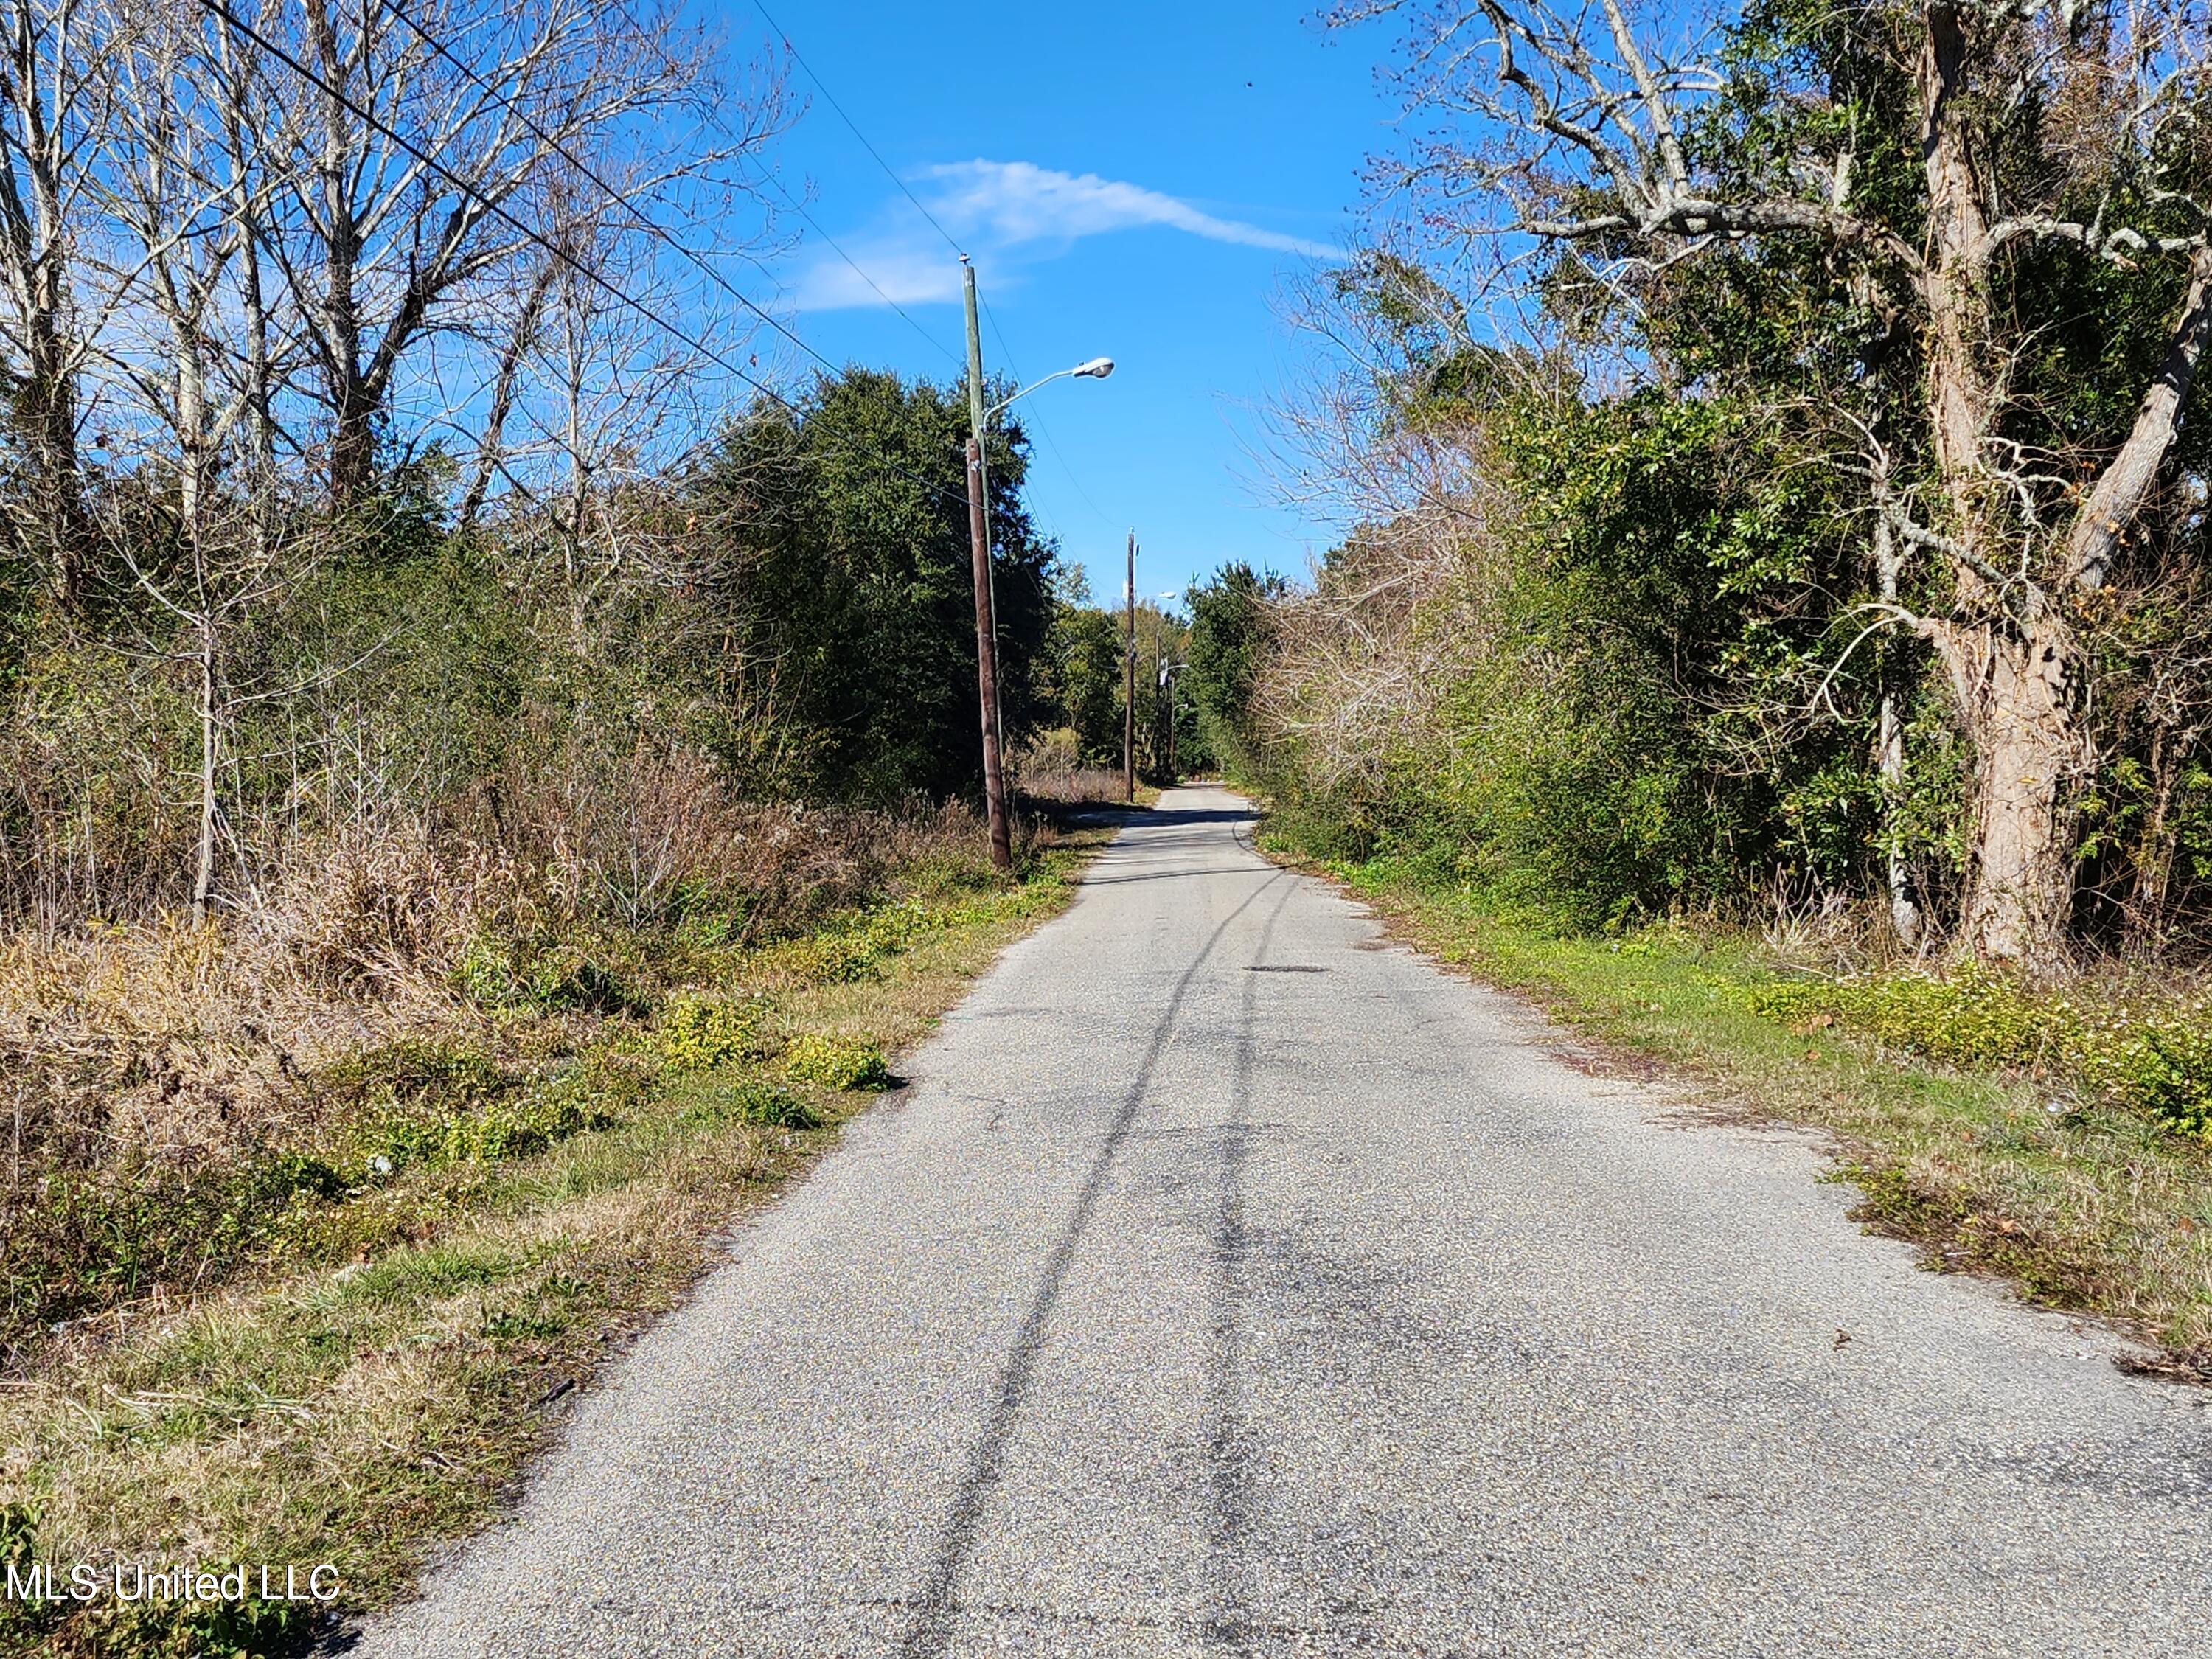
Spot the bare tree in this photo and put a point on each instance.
(1591, 136)
(256, 237)
(419, 134)
(191, 359)
(53, 96)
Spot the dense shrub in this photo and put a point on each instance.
(832, 543)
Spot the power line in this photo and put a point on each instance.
(769, 179)
(1043, 431)
(218, 9)
(815, 225)
(853, 128)
(618, 198)
(851, 125)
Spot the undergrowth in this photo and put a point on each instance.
(2146, 1053)
(339, 1346)
(190, 1102)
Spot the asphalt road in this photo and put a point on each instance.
(1230, 1281)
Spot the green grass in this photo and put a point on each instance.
(2014, 1156)
(382, 1379)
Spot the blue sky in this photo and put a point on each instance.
(1134, 180)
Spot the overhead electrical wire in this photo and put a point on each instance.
(950, 242)
(853, 128)
(776, 184)
(815, 224)
(617, 196)
(1043, 431)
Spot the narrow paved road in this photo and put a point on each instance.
(1230, 1282)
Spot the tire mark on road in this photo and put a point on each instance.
(1228, 1623)
(932, 1627)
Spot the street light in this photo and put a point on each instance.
(1097, 369)
(978, 537)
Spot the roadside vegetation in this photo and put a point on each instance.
(471, 1221)
(1770, 624)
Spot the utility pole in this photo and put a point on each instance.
(986, 611)
(978, 417)
(1167, 690)
(1129, 681)
(987, 666)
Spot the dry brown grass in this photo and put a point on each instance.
(1051, 773)
(1073, 786)
(158, 1072)
(357, 1413)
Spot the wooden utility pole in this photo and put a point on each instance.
(987, 611)
(987, 666)
(1129, 681)
(1167, 685)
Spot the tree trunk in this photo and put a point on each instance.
(2011, 683)
(38, 75)
(491, 447)
(1889, 744)
(1954, 285)
(210, 732)
(2154, 858)
(2010, 661)
(1904, 914)
(352, 409)
(46, 427)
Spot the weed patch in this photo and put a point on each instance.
(835, 1061)
(697, 1033)
(756, 1100)
(2143, 1054)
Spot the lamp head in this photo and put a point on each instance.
(1097, 369)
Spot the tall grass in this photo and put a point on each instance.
(181, 1102)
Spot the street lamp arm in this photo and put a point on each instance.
(1097, 369)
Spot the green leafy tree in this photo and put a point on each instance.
(1967, 253)
(1084, 650)
(1228, 638)
(834, 542)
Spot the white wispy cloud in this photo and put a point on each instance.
(1006, 206)
(1021, 201)
(897, 273)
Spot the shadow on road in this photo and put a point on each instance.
(1065, 815)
